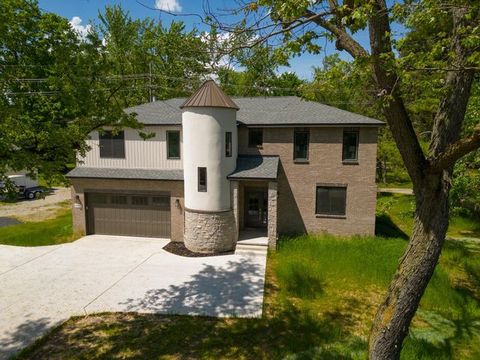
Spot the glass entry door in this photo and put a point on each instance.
(256, 207)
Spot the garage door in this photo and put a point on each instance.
(128, 214)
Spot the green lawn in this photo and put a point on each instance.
(396, 210)
(321, 295)
(49, 232)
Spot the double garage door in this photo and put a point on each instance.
(128, 214)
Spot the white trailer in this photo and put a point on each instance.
(27, 187)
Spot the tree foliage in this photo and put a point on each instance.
(56, 86)
(257, 74)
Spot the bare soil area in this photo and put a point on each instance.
(40, 209)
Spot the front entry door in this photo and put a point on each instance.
(256, 206)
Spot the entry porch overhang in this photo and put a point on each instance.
(256, 167)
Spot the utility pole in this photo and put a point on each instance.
(150, 89)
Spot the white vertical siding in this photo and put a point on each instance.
(139, 153)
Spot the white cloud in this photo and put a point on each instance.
(168, 5)
(82, 30)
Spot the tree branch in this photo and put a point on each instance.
(344, 40)
(387, 80)
(455, 151)
(451, 111)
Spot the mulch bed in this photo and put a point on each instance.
(178, 248)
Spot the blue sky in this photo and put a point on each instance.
(87, 11)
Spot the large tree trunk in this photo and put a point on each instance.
(415, 269)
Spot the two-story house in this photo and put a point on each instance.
(217, 166)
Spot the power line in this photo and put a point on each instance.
(150, 77)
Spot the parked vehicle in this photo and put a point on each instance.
(27, 187)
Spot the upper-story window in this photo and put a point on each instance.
(112, 145)
(331, 200)
(255, 137)
(228, 144)
(350, 146)
(173, 144)
(301, 139)
(202, 179)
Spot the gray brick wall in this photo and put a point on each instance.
(297, 182)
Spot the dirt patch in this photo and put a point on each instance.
(40, 209)
(178, 248)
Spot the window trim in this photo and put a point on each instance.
(110, 144)
(202, 188)
(179, 145)
(331, 185)
(228, 150)
(357, 134)
(301, 130)
(250, 144)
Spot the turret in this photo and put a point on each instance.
(210, 141)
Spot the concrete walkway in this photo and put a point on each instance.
(43, 286)
(396, 191)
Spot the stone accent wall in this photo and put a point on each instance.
(235, 186)
(207, 232)
(272, 215)
(175, 188)
(297, 181)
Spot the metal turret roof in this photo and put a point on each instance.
(210, 95)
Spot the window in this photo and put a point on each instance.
(300, 145)
(119, 199)
(331, 200)
(173, 144)
(112, 145)
(161, 201)
(255, 137)
(228, 144)
(140, 200)
(350, 145)
(98, 198)
(202, 179)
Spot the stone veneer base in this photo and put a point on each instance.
(209, 232)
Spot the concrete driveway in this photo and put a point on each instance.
(43, 286)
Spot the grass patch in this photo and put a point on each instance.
(321, 295)
(49, 232)
(395, 218)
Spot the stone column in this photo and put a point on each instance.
(272, 215)
(236, 206)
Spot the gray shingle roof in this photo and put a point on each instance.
(265, 111)
(256, 167)
(139, 174)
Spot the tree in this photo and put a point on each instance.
(57, 86)
(456, 59)
(153, 61)
(51, 95)
(258, 75)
